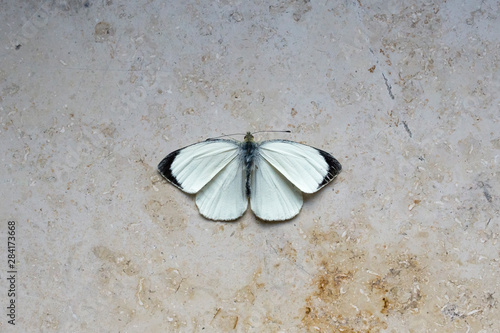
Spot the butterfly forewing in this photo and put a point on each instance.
(306, 167)
(192, 167)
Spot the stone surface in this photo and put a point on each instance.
(404, 93)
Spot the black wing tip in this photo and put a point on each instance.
(334, 168)
(164, 168)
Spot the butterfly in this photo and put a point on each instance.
(225, 173)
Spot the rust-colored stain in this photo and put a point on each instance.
(387, 60)
(357, 291)
(400, 286)
(288, 251)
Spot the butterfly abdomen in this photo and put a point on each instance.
(250, 149)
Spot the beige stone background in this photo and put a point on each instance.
(404, 93)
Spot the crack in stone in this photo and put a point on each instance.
(389, 87)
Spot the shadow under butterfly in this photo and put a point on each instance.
(224, 174)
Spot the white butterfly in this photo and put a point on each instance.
(225, 173)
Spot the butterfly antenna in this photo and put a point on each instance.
(271, 131)
(226, 135)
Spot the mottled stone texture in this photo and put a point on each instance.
(93, 94)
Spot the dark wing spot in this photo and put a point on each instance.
(334, 168)
(165, 170)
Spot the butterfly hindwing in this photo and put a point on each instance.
(224, 197)
(272, 196)
(192, 167)
(306, 167)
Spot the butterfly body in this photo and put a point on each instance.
(224, 174)
(249, 156)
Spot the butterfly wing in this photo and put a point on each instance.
(192, 167)
(224, 197)
(214, 170)
(306, 167)
(273, 197)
